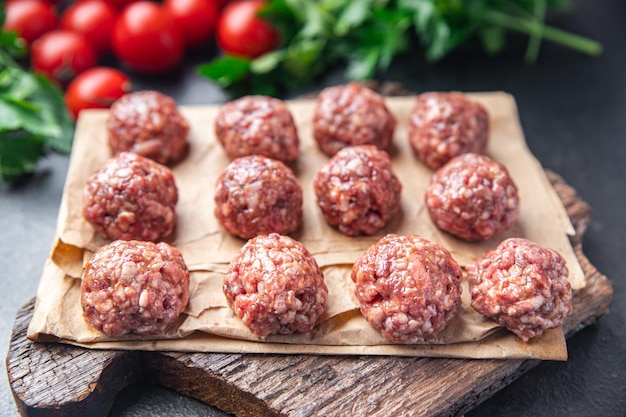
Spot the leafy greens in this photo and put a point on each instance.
(366, 35)
(33, 116)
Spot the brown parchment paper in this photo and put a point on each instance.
(208, 323)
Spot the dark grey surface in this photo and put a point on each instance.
(573, 111)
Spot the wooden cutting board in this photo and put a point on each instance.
(61, 380)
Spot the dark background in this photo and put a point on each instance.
(573, 112)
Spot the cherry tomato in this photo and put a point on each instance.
(96, 88)
(241, 32)
(94, 19)
(29, 18)
(61, 55)
(117, 4)
(195, 18)
(146, 39)
(222, 3)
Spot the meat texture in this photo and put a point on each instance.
(131, 197)
(258, 195)
(275, 286)
(352, 114)
(357, 190)
(148, 123)
(409, 288)
(134, 287)
(445, 125)
(472, 197)
(522, 286)
(257, 125)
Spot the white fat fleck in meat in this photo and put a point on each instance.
(144, 299)
(253, 194)
(129, 270)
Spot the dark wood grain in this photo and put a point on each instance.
(60, 380)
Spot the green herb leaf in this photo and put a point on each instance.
(267, 62)
(226, 70)
(54, 112)
(19, 154)
(302, 59)
(29, 102)
(33, 119)
(363, 65)
(493, 39)
(354, 15)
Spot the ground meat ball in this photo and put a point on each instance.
(257, 125)
(357, 191)
(445, 125)
(472, 197)
(131, 197)
(351, 114)
(275, 286)
(522, 286)
(257, 195)
(134, 286)
(409, 288)
(148, 123)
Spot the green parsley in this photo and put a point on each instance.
(33, 116)
(366, 35)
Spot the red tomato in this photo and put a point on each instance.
(117, 4)
(29, 18)
(222, 3)
(241, 32)
(195, 18)
(146, 38)
(96, 88)
(94, 19)
(61, 55)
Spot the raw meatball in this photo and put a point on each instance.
(257, 195)
(275, 286)
(257, 125)
(357, 190)
(472, 197)
(131, 197)
(445, 125)
(351, 115)
(522, 286)
(409, 288)
(134, 286)
(148, 123)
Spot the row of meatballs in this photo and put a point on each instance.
(133, 197)
(408, 288)
(441, 125)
